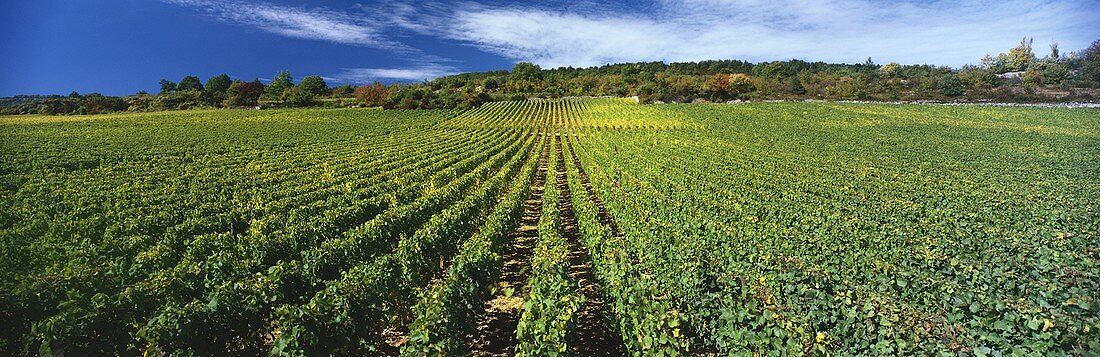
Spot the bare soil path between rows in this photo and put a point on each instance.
(496, 330)
(594, 335)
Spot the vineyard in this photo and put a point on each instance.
(550, 227)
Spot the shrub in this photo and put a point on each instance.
(951, 86)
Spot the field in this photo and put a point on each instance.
(578, 226)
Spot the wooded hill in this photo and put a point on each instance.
(1018, 75)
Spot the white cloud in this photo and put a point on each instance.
(948, 33)
(418, 73)
(313, 24)
(557, 39)
(587, 33)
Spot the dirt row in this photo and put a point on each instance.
(594, 335)
(496, 330)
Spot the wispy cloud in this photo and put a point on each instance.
(562, 39)
(940, 32)
(586, 33)
(416, 73)
(312, 24)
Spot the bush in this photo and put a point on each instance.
(373, 95)
(299, 97)
(179, 100)
(314, 85)
(244, 94)
(189, 83)
(951, 86)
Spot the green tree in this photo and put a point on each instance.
(722, 87)
(408, 103)
(244, 94)
(343, 91)
(1017, 59)
(1021, 56)
(1032, 77)
(870, 65)
(278, 86)
(526, 71)
(951, 86)
(298, 97)
(890, 70)
(1053, 72)
(215, 89)
(977, 77)
(167, 86)
(526, 77)
(1090, 64)
(190, 83)
(314, 85)
(218, 84)
(490, 84)
(794, 85)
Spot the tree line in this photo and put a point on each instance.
(1018, 75)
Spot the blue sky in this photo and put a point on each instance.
(122, 46)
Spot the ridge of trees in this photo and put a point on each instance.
(1017, 75)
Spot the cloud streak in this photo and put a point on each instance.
(310, 24)
(590, 33)
(950, 33)
(416, 73)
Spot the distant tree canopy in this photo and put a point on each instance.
(1014, 75)
(343, 91)
(244, 94)
(279, 86)
(1017, 59)
(299, 96)
(166, 86)
(526, 71)
(951, 86)
(314, 85)
(1088, 63)
(190, 83)
(218, 84)
(373, 95)
(215, 89)
(723, 87)
(526, 77)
